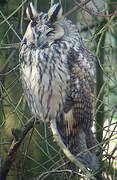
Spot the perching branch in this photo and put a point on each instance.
(4, 169)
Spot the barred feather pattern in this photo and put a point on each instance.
(58, 78)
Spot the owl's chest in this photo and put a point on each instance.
(45, 84)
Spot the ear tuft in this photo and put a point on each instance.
(31, 12)
(55, 13)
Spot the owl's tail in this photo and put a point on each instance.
(85, 149)
(83, 146)
(69, 155)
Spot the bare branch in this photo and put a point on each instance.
(77, 7)
(91, 11)
(13, 150)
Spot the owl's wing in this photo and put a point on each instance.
(77, 119)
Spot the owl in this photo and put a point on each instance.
(58, 77)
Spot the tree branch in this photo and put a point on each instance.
(4, 169)
(91, 11)
(77, 7)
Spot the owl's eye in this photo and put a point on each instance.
(34, 23)
(50, 33)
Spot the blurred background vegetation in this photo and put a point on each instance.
(38, 156)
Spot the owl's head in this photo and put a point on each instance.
(44, 27)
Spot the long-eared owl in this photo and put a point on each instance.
(58, 78)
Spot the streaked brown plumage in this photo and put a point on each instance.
(57, 73)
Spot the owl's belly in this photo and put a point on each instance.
(45, 94)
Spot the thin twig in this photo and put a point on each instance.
(4, 67)
(92, 12)
(77, 7)
(10, 25)
(16, 10)
(14, 46)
